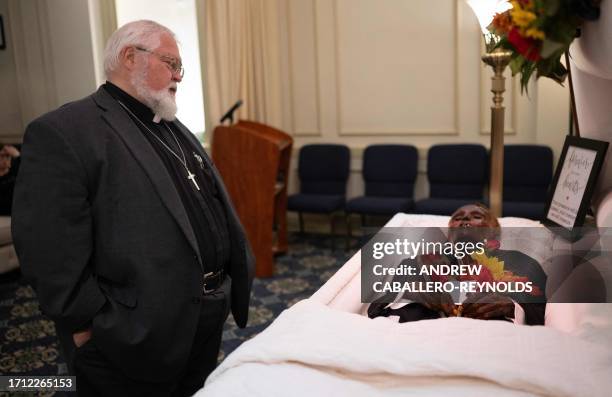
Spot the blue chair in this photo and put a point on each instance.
(528, 173)
(323, 171)
(457, 176)
(389, 173)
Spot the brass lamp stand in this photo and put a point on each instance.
(498, 59)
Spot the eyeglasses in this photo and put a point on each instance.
(173, 64)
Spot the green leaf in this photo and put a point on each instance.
(516, 64)
(550, 7)
(558, 72)
(526, 73)
(549, 47)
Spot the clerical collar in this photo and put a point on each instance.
(138, 108)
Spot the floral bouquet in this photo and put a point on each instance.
(538, 32)
(492, 271)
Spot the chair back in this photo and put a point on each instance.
(527, 172)
(457, 171)
(324, 169)
(390, 170)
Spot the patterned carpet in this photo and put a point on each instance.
(29, 346)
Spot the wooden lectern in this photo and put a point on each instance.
(253, 160)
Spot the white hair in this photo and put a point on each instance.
(143, 33)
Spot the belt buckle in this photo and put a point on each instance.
(204, 289)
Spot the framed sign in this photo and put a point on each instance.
(2, 37)
(572, 186)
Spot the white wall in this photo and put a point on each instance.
(553, 106)
(353, 71)
(360, 72)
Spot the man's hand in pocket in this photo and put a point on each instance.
(81, 337)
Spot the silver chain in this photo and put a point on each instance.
(190, 175)
(183, 161)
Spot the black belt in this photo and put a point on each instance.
(212, 281)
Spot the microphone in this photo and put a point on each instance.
(229, 115)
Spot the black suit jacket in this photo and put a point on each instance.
(101, 230)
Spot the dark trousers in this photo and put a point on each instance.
(95, 376)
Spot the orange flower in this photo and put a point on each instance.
(502, 23)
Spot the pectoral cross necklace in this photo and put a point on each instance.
(183, 160)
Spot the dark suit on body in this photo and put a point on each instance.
(515, 261)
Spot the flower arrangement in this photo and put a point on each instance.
(492, 271)
(539, 32)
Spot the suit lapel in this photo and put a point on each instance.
(140, 148)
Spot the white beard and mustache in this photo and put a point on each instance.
(161, 102)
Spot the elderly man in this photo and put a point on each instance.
(475, 223)
(126, 230)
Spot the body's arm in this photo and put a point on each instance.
(493, 306)
(52, 227)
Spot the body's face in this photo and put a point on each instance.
(472, 216)
(472, 223)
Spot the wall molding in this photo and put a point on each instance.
(292, 105)
(399, 131)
